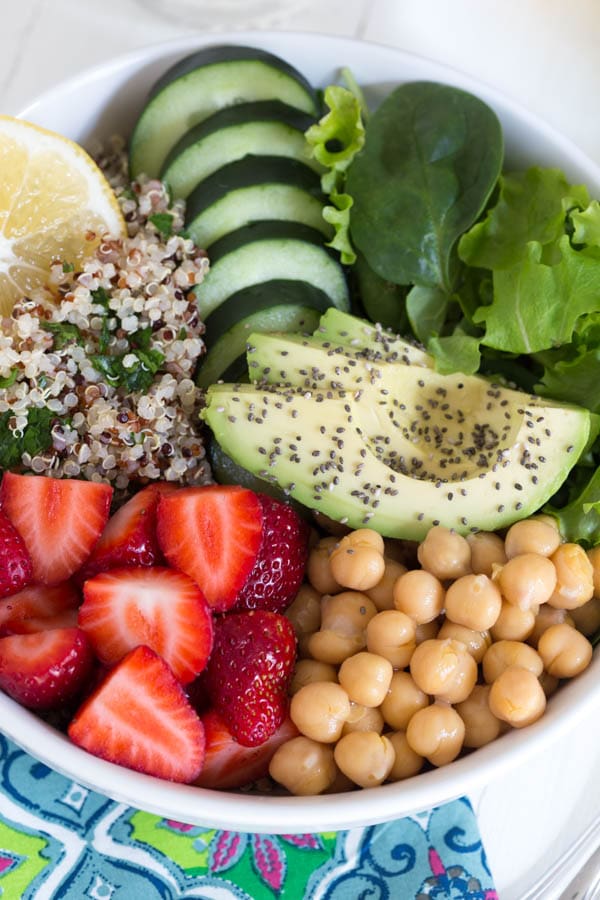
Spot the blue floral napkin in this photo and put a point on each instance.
(60, 840)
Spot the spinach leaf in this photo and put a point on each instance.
(426, 308)
(35, 438)
(431, 159)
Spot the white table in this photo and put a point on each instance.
(543, 53)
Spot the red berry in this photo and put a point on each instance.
(38, 603)
(16, 568)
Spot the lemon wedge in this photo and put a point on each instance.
(55, 204)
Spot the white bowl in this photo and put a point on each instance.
(106, 100)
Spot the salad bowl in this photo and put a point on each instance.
(105, 101)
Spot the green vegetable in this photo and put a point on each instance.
(63, 333)
(163, 222)
(579, 520)
(10, 379)
(137, 377)
(35, 438)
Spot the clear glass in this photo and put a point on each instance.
(226, 14)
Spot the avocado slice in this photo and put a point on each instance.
(403, 450)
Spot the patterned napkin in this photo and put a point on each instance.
(60, 840)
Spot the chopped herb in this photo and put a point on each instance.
(137, 377)
(182, 334)
(101, 296)
(10, 379)
(63, 333)
(35, 438)
(68, 267)
(163, 222)
(141, 338)
(105, 336)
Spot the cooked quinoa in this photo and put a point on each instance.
(97, 369)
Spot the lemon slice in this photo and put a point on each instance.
(55, 204)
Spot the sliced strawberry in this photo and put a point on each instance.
(37, 602)
(129, 538)
(249, 672)
(212, 534)
(229, 765)
(65, 619)
(281, 563)
(150, 605)
(59, 520)
(16, 568)
(45, 669)
(139, 717)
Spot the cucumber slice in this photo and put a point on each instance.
(271, 250)
(231, 345)
(253, 189)
(267, 127)
(201, 84)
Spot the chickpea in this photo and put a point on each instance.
(517, 697)
(531, 536)
(444, 553)
(510, 654)
(344, 620)
(357, 561)
(513, 623)
(587, 617)
(309, 670)
(382, 594)
(402, 701)
(364, 718)
(487, 551)
(445, 669)
(437, 733)
(594, 558)
(304, 612)
(420, 595)
(365, 757)
(565, 651)
(427, 631)
(366, 678)
(319, 710)
(318, 567)
(473, 601)
(303, 766)
(476, 642)
(481, 725)
(392, 634)
(407, 763)
(574, 577)
(545, 617)
(527, 580)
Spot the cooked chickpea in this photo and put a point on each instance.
(487, 551)
(391, 634)
(437, 733)
(513, 623)
(445, 553)
(476, 642)
(309, 670)
(366, 757)
(473, 601)
(517, 697)
(594, 558)
(407, 763)
(305, 611)
(531, 536)
(510, 654)
(527, 580)
(565, 651)
(318, 567)
(303, 766)
(366, 678)
(402, 701)
(426, 631)
(420, 595)
(481, 725)
(357, 561)
(330, 647)
(363, 718)
(545, 617)
(344, 620)
(319, 710)
(382, 594)
(445, 669)
(574, 577)
(587, 617)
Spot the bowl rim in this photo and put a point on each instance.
(283, 814)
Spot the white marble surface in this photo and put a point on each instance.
(542, 52)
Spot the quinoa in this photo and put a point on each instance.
(97, 368)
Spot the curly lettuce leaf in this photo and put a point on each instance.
(586, 225)
(457, 352)
(579, 520)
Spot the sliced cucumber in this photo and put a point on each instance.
(231, 345)
(201, 84)
(271, 250)
(266, 127)
(253, 189)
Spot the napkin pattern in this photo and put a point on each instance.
(58, 839)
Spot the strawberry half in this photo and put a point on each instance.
(16, 568)
(155, 606)
(249, 671)
(229, 765)
(281, 563)
(37, 603)
(59, 520)
(129, 538)
(45, 669)
(139, 717)
(213, 534)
